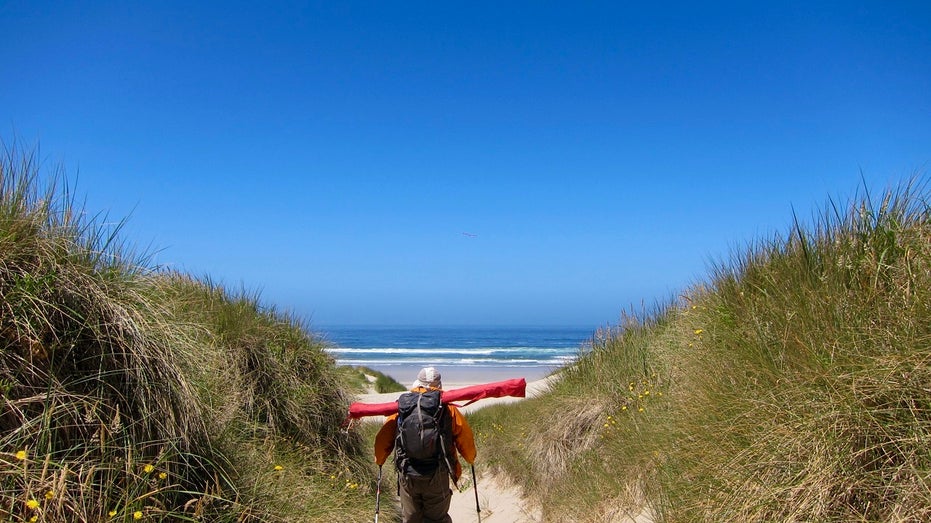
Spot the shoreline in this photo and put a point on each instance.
(458, 376)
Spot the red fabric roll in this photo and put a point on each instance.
(515, 387)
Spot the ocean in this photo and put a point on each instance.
(398, 350)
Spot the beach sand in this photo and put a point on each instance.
(462, 376)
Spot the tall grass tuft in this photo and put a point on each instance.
(795, 386)
(132, 393)
(818, 348)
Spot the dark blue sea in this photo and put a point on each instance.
(384, 348)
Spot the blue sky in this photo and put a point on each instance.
(332, 155)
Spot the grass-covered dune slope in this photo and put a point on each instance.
(793, 385)
(131, 393)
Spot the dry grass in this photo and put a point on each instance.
(795, 386)
(560, 443)
(133, 393)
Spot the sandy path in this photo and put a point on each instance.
(499, 502)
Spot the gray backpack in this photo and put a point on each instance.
(424, 434)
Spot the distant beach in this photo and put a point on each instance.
(461, 376)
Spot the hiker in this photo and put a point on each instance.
(424, 470)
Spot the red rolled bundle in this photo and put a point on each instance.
(515, 387)
(499, 389)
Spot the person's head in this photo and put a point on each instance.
(428, 378)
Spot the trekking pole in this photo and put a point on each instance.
(378, 494)
(478, 509)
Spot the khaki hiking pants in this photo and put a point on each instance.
(426, 500)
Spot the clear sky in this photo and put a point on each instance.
(529, 163)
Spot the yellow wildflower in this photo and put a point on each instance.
(111, 513)
(33, 519)
(21, 455)
(32, 504)
(148, 468)
(162, 475)
(278, 467)
(137, 514)
(50, 495)
(699, 331)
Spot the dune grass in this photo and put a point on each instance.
(793, 385)
(358, 380)
(131, 393)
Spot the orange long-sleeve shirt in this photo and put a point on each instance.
(463, 439)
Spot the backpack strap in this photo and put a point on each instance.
(446, 438)
(444, 450)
